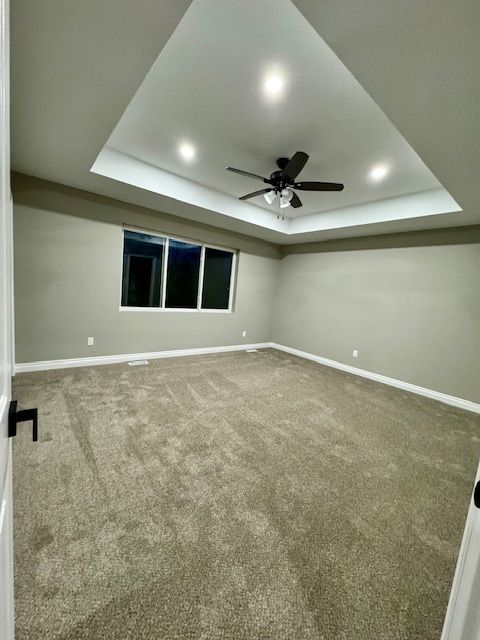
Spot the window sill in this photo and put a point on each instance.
(162, 310)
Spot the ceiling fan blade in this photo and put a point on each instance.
(295, 165)
(295, 202)
(248, 174)
(255, 193)
(318, 186)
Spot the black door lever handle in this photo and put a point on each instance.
(15, 416)
(476, 495)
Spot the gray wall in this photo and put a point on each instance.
(409, 303)
(68, 261)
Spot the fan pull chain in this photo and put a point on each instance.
(278, 210)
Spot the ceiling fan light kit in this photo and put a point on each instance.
(282, 182)
(270, 196)
(286, 196)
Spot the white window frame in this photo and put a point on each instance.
(163, 291)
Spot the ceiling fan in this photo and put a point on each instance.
(282, 182)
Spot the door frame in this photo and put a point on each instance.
(462, 621)
(6, 359)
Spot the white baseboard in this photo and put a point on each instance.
(92, 361)
(406, 386)
(24, 367)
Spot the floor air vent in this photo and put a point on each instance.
(137, 363)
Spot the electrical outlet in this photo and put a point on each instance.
(244, 334)
(90, 342)
(355, 353)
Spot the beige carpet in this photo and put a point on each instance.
(236, 496)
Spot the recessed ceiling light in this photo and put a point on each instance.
(274, 85)
(187, 151)
(378, 172)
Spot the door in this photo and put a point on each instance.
(6, 533)
(462, 621)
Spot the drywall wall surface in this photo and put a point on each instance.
(68, 266)
(409, 305)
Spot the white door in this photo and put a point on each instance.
(6, 537)
(462, 621)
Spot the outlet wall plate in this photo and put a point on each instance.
(90, 341)
(355, 353)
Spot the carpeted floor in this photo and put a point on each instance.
(240, 496)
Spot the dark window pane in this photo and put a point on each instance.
(216, 279)
(140, 281)
(182, 275)
(142, 269)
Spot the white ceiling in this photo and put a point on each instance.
(207, 87)
(76, 66)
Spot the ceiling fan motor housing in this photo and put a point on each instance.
(282, 162)
(278, 179)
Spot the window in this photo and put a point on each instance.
(182, 275)
(216, 278)
(142, 269)
(168, 273)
